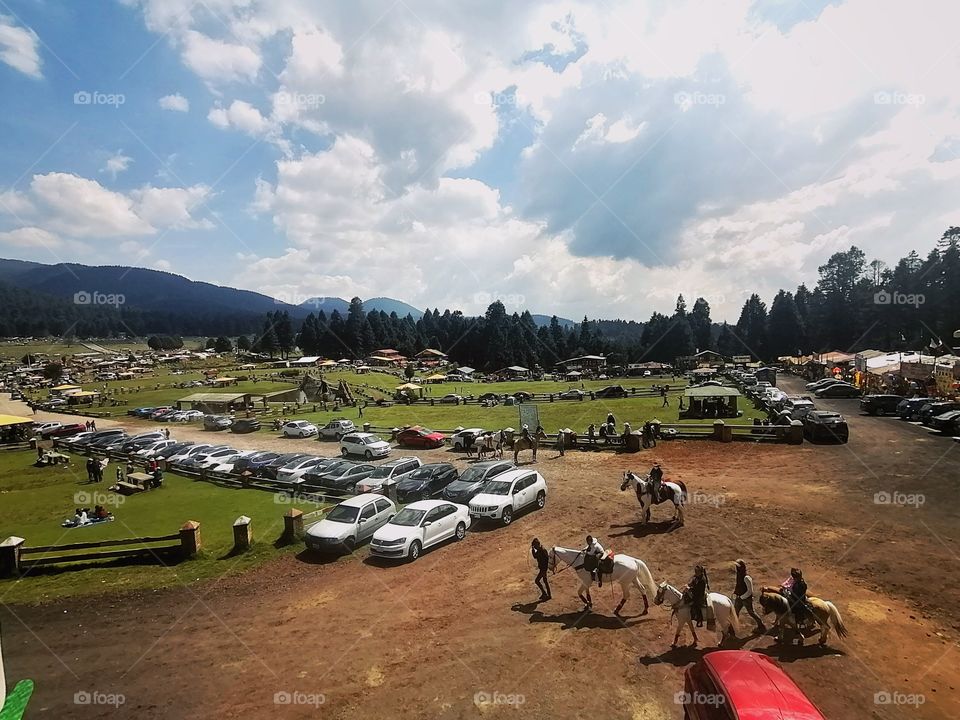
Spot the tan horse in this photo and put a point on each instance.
(530, 443)
(824, 612)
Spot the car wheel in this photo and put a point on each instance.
(344, 451)
(368, 455)
(507, 516)
(461, 531)
(541, 499)
(349, 545)
(414, 552)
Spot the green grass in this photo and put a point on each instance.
(37, 500)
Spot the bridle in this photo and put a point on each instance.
(567, 566)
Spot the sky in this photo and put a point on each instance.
(570, 158)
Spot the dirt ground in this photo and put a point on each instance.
(441, 637)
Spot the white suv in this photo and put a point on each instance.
(366, 444)
(336, 429)
(508, 493)
(390, 470)
(299, 428)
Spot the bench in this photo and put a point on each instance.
(55, 458)
(126, 488)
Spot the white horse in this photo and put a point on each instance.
(627, 571)
(675, 492)
(719, 605)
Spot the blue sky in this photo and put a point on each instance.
(565, 156)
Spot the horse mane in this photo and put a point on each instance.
(774, 600)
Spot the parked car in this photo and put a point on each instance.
(825, 424)
(463, 439)
(226, 463)
(141, 411)
(426, 482)
(63, 430)
(420, 525)
(451, 399)
(314, 475)
(474, 479)
(932, 409)
(296, 469)
(78, 440)
(186, 416)
(522, 396)
(171, 450)
(299, 429)
(489, 396)
(742, 684)
(390, 470)
(214, 458)
(947, 422)
(245, 425)
(821, 383)
(54, 402)
(839, 390)
(108, 443)
(336, 429)
(340, 480)
(186, 452)
(216, 422)
(150, 449)
(137, 442)
(572, 394)
(611, 391)
(158, 411)
(199, 458)
(350, 523)
(367, 445)
(798, 407)
(103, 435)
(509, 493)
(880, 404)
(42, 427)
(256, 460)
(420, 437)
(270, 468)
(909, 409)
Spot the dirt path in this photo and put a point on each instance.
(427, 639)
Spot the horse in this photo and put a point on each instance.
(824, 612)
(675, 492)
(720, 605)
(487, 444)
(531, 442)
(627, 571)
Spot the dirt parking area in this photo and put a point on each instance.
(458, 634)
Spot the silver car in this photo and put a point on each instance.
(350, 523)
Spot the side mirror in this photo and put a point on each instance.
(428, 523)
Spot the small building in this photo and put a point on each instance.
(429, 356)
(312, 360)
(14, 429)
(711, 401)
(583, 363)
(216, 402)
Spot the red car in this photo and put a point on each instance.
(64, 430)
(419, 437)
(742, 685)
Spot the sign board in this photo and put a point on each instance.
(529, 416)
(740, 359)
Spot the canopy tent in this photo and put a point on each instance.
(9, 420)
(61, 388)
(711, 401)
(13, 429)
(409, 386)
(328, 363)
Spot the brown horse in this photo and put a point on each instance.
(531, 442)
(822, 612)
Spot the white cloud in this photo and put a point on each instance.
(29, 237)
(241, 116)
(116, 164)
(19, 47)
(219, 61)
(172, 207)
(175, 102)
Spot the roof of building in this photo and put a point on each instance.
(213, 397)
(7, 420)
(711, 391)
(431, 351)
(306, 360)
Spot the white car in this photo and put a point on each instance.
(225, 463)
(186, 416)
(40, 427)
(509, 493)
(336, 429)
(366, 444)
(295, 469)
(54, 401)
(149, 451)
(187, 452)
(798, 407)
(418, 526)
(299, 428)
(217, 457)
(391, 470)
(461, 438)
(350, 523)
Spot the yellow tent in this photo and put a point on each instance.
(6, 420)
(409, 386)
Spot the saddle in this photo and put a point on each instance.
(606, 564)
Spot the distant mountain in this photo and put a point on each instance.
(389, 305)
(544, 321)
(326, 304)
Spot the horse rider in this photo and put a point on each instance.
(525, 432)
(656, 482)
(695, 592)
(743, 595)
(611, 420)
(795, 590)
(543, 561)
(595, 549)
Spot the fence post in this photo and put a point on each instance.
(292, 525)
(190, 538)
(242, 534)
(10, 556)
(795, 434)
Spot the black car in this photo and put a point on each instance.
(245, 425)
(909, 408)
(880, 404)
(341, 479)
(256, 461)
(313, 477)
(931, 410)
(839, 390)
(825, 425)
(611, 391)
(269, 469)
(473, 480)
(141, 441)
(425, 482)
(947, 422)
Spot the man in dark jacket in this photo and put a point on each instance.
(543, 561)
(797, 596)
(696, 590)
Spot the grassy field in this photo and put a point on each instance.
(37, 500)
(17, 350)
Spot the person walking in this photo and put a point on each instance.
(743, 595)
(663, 394)
(560, 439)
(543, 561)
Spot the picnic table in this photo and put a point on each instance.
(55, 458)
(134, 483)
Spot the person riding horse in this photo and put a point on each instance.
(795, 590)
(656, 481)
(594, 550)
(695, 592)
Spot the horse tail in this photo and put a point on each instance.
(734, 620)
(644, 579)
(683, 493)
(836, 620)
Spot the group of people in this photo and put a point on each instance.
(91, 425)
(85, 516)
(95, 469)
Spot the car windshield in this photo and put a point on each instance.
(473, 474)
(498, 487)
(343, 514)
(370, 440)
(340, 471)
(420, 473)
(382, 472)
(408, 517)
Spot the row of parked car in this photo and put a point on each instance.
(942, 415)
